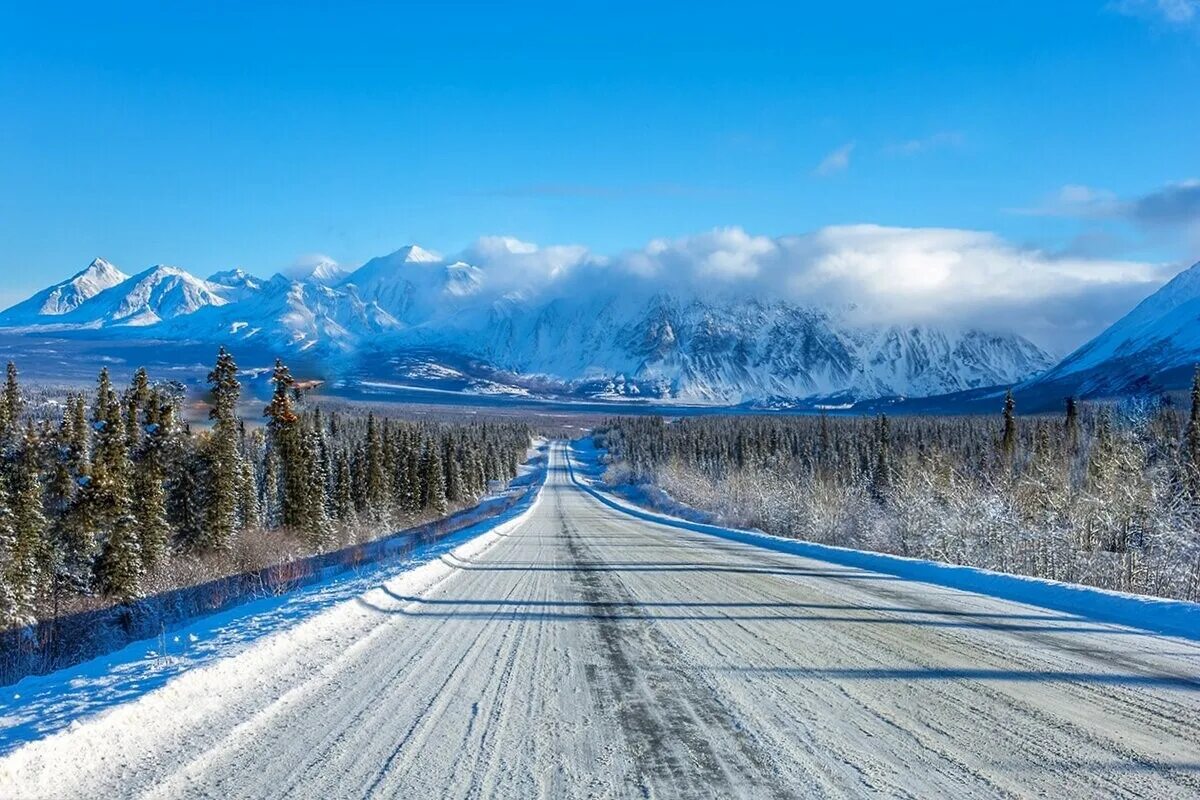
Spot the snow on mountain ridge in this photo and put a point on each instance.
(324, 271)
(1160, 334)
(743, 351)
(614, 340)
(234, 278)
(160, 292)
(63, 298)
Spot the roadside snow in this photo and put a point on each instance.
(328, 637)
(1170, 617)
(38, 706)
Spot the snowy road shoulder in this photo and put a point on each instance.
(667, 664)
(192, 705)
(304, 624)
(1157, 615)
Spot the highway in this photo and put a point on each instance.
(587, 653)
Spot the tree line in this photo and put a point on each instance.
(118, 496)
(1105, 494)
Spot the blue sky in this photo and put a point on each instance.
(217, 134)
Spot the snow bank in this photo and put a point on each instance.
(39, 706)
(1170, 617)
(60, 643)
(73, 639)
(181, 706)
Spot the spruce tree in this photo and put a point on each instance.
(881, 477)
(78, 434)
(119, 569)
(137, 398)
(23, 525)
(412, 479)
(358, 480)
(1192, 440)
(286, 440)
(78, 523)
(269, 506)
(103, 486)
(61, 490)
(249, 510)
(314, 520)
(376, 497)
(391, 458)
(451, 460)
(1072, 425)
(14, 569)
(149, 482)
(343, 498)
(186, 508)
(225, 469)
(10, 405)
(434, 480)
(1008, 441)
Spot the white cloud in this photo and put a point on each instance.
(1173, 12)
(880, 274)
(1173, 204)
(310, 264)
(1076, 200)
(311, 260)
(514, 264)
(837, 161)
(942, 140)
(1174, 207)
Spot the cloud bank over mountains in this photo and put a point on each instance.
(876, 273)
(724, 316)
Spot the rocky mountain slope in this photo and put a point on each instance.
(413, 316)
(1153, 347)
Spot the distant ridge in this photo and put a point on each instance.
(1153, 347)
(414, 318)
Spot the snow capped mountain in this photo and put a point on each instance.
(236, 278)
(414, 317)
(740, 351)
(102, 295)
(297, 315)
(160, 293)
(414, 285)
(323, 271)
(1156, 344)
(62, 298)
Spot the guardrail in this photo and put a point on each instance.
(74, 638)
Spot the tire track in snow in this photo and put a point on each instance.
(590, 654)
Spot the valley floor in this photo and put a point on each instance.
(584, 653)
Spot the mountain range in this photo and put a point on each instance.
(415, 319)
(1155, 346)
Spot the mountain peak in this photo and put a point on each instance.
(414, 254)
(319, 269)
(99, 272)
(677, 347)
(231, 277)
(236, 279)
(1158, 341)
(64, 297)
(100, 265)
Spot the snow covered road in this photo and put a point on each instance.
(585, 653)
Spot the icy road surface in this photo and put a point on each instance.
(589, 654)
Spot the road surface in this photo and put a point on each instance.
(591, 654)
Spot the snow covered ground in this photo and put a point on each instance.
(579, 651)
(37, 706)
(1160, 615)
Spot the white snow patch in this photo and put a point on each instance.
(177, 710)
